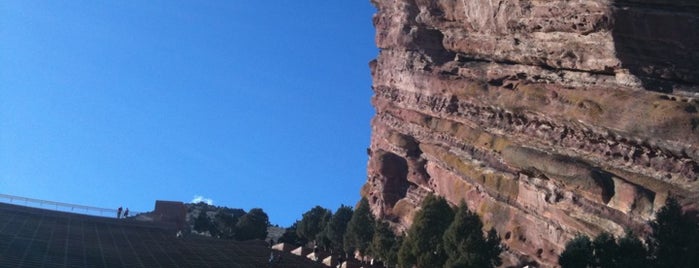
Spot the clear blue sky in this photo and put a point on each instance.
(249, 103)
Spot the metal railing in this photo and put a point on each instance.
(58, 206)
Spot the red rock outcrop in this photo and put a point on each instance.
(549, 118)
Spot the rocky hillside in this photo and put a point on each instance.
(222, 222)
(550, 118)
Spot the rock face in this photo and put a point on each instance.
(549, 118)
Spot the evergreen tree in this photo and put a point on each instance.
(385, 244)
(423, 245)
(360, 229)
(673, 243)
(464, 242)
(674, 238)
(252, 225)
(578, 253)
(493, 248)
(605, 250)
(290, 236)
(202, 223)
(225, 223)
(392, 256)
(323, 240)
(313, 222)
(337, 227)
(406, 258)
(631, 252)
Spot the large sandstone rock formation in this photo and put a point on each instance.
(550, 118)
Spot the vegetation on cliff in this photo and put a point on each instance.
(673, 242)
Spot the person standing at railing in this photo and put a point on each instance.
(126, 213)
(119, 212)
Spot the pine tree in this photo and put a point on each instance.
(464, 242)
(225, 224)
(291, 237)
(323, 240)
(313, 222)
(385, 244)
(674, 238)
(605, 250)
(202, 223)
(631, 252)
(493, 248)
(392, 257)
(252, 225)
(423, 245)
(337, 227)
(578, 253)
(360, 229)
(673, 243)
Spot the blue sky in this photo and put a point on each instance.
(249, 103)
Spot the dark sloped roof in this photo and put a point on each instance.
(31, 237)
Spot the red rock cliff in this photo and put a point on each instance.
(550, 118)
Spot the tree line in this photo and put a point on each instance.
(440, 236)
(673, 242)
(231, 223)
(445, 236)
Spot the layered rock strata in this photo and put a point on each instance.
(549, 118)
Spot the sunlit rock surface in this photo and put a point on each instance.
(550, 118)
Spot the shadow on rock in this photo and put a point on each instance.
(658, 41)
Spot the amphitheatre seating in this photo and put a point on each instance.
(31, 237)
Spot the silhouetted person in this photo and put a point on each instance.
(119, 213)
(126, 212)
